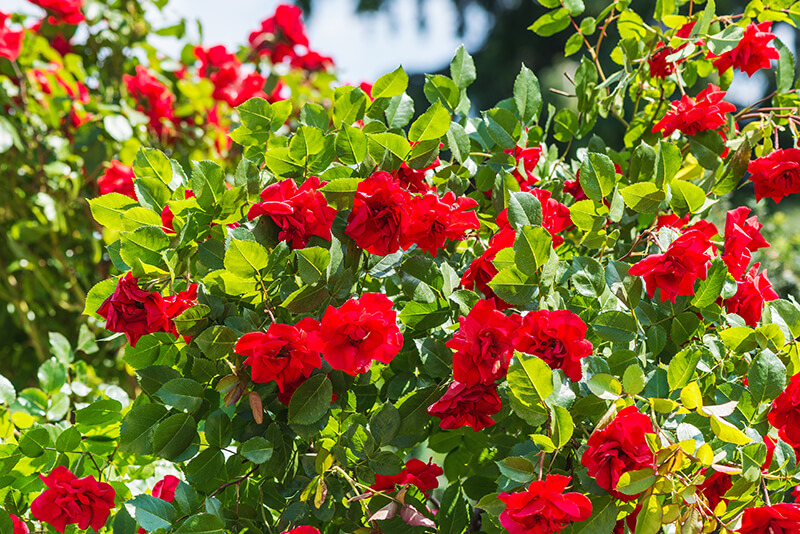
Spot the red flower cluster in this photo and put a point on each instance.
(153, 98)
(118, 178)
(416, 472)
(434, 220)
(681, 224)
(10, 41)
(543, 508)
(19, 525)
(785, 413)
(555, 215)
(753, 52)
(283, 354)
(776, 175)
(781, 518)
(481, 271)
(299, 212)
(414, 179)
(714, 487)
(137, 312)
(359, 331)
(69, 499)
(467, 406)
(304, 529)
(753, 291)
(675, 271)
(742, 237)
(528, 158)
(281, 34)
(707, 112)
(164, 489)
(224, 70)
(62, 11)
(483, 345)
(557, 337)
(618, 448)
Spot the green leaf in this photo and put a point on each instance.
(527, 95)
(255, 114)
(532, 248)
(726, 40)
(8, 135)
(201, 524)
(643, 163)
(530, 378)
(574, 44)
(739, 339)
(517, 469)
(306, 142)
(462, 68)
(588, 277)
(414, 415)
(311, 401)
(349, 105)
(340, 192)
(605, 386)
(385, 424)
(454, 513)
(575, 7)
(108, 209)
(216, 342)
(218, 431)
(101, 412)
(391, 84)
(153, 513)
(69, 440)
(118, 127)
(441, 89)
(174, 435)
(565, 125)
(635, 482)
(245, 258)
(257, 449)
(667, 163)
(633, 380)
(727, 432)
(631, 25)
(144, 244)
(33, 442)
(503, 127)
(551, 23)
(152, 163)
(643, 197)
(766, 377)
(598, 176)
(60, 348)
(602, 520)
(208, 183)
(682, 367)
(710, 289)
(191, 321)
(513, 285)
(395, 144)
(138, 428)
(386, 463)
(561, 425)
(182, 394)
(312, 263)
(205, 466)
(7, 392)
(707, 147)
(351, 145)
(524, 209)
(432, 124)
(784, 72)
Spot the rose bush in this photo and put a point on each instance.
(375, 314)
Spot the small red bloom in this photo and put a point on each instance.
(19, 525)
(753, 52)
(715, 487)
(659, 66)
(176, 304)
(543, 508)
(414, 179)
(785, 413)
(416, 472)
(753, 292)
(528, 157)
(164, 489)
(224, 69)
(781, 518)
(10, 41)
(675, 271)
(467, 406)
(555, 215)
(153, 98)
(283, 354)
(134, 311)
(280, 33)
(118, 178)
(742, 237)
(62, 11)
(380, 214)
(69, 499)
(690, 116)
(482, 270)
(618, 448)
(434, 220)
(776, 175)
(299, 212)
(483, 345)
(557, 337)
(304, 529)
(312, 61)
(359, 331)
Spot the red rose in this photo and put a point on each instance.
(305, 529)
(164, 489)
(282, 354)
(671, 220)
(659, 66)
(781, 518)
(557, 337)
(770, 443)
(434, 220)
(785, 413)
(416, 472)
(742, 237)
(69, 499)
(153, 98)
(10, 41)
(753, 52)
(224, 70)
(298, 212)
(359, 331)
(379, 216)
(543, 508)
(555, 215)
(19, 526)
(528, 157)
(714, 487)
(134, 311)
(752, 293)
(414, 179)
(63, 11)
(618, 448)
(312, 61)
(467, 406)
(176, 304)
(481, 271)
(280, 33)
(118, 178)
(483, 345)
(689, 116)
(675, 271)
(776, 175)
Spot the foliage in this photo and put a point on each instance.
(362, 277)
